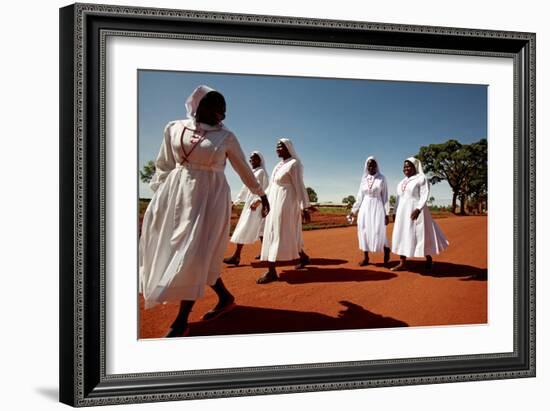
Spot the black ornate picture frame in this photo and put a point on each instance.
(83, 30)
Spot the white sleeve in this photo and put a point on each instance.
(424, 187)
(384, 195)
(298, 183)
(165, 161)
(357, 205)
(238, 161)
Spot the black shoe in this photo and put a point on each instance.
(178, 332)
(302, 264)
(268, 277)
(232, 260)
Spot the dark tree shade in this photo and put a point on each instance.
(312, 195)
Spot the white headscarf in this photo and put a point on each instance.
(366, 171)
(192, 102)
(291, 150)
(417, 164)
(262, 160)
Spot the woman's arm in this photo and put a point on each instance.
(357, 205)
(238, 162)
(297, 177)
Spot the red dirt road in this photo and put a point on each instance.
(335, 293)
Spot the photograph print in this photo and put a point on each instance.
(277, 204)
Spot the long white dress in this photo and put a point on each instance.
(420, 237)
(250, 222)
(287, 196)
(185, 228)
(371, 208)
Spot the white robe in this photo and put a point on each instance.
(250, 222)
(371, 208)
(185, 228)
(420, 237)
(283, 225)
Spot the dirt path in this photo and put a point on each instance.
(335, 293)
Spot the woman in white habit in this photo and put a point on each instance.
(371, 210)
(185, 228)
(251, 223)
(283, 226)
(415, 233)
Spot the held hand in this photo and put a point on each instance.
(255, 204)
(386, 220)
(415, 214)
(265, 206)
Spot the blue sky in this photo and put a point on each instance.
(335, 124)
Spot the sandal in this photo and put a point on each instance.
(217, 313)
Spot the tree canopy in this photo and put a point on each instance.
(147, 172)
(349, 200)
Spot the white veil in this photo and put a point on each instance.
(366, 171)
(192, 102)
(262, 160)
(291, 150)
(416, 163)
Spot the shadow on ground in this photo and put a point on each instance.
(330, 275)
(313, 261)
(255, 320)
(442, 269)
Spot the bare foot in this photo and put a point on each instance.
(364, 262)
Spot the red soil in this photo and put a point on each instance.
(335, 293)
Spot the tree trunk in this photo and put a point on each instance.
(462, 205)
(455, 195)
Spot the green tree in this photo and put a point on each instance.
(147, 172)
(458, 164)
(349, 201)
(312, 195)
(393, 201)
(431, 200)
(474, 189)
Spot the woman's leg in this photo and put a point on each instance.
(429, 262)
(402, 264)
(386, 255)
(260, 255)
(304, 260)
(235, 259)
(270, 275)
(365, 259)
(179, 326)
(226, 301)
